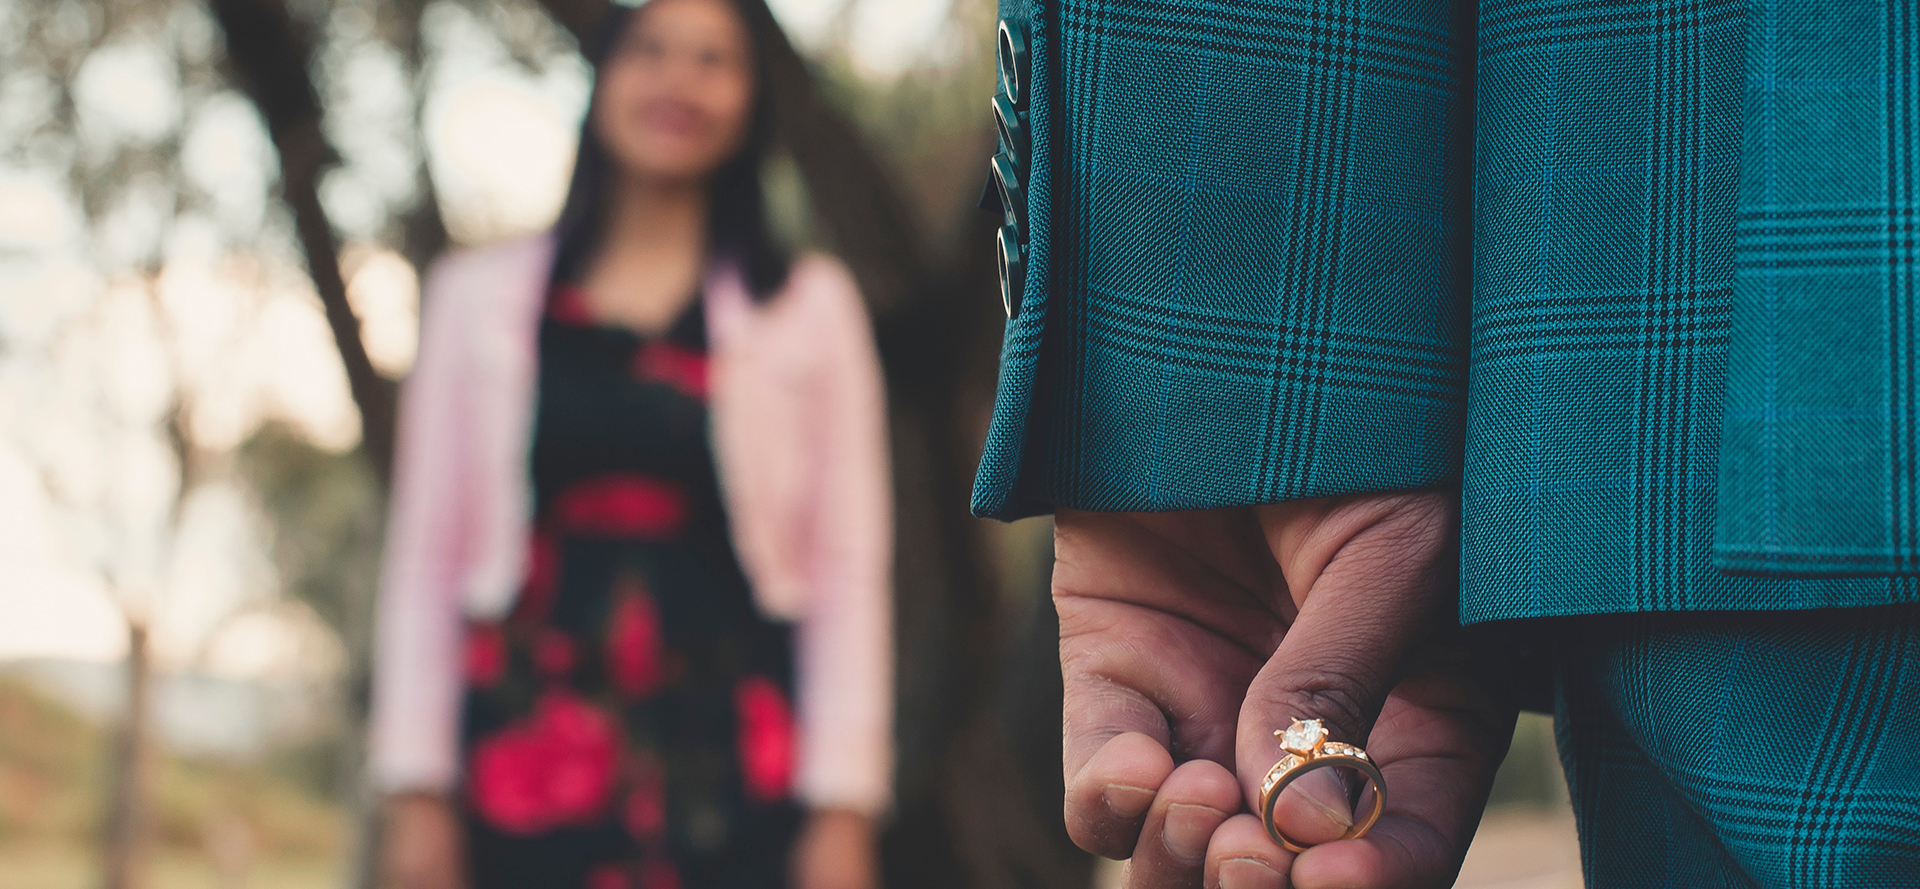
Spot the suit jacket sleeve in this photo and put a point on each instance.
(1245, 255)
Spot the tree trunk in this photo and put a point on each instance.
(126, 828)
(268, 54)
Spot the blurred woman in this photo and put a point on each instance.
(635, 617)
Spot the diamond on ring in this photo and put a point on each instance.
(1304, 736)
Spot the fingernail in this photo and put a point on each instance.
(1334, 814)
(1327, 796)
(1188, 829)
(1249, 873)
(1126, 800)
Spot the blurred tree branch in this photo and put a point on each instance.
(423, 233)
(268, 55)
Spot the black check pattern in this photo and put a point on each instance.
(1820, 451)
(1745, 750)
(1248, 261)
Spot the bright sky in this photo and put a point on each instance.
(885, 37)
(85, 479)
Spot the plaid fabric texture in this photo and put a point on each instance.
(1608, 162)
(1745, 750)
(1006, 443)
(1244, 284)
(1246, 279)
(1818, 455)
(1606, 165)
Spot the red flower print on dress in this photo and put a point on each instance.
(486, 655)
(766, 738)
(622, 505)
(633, 642)
(677, 366)
(553, 653)
(608, 876)
(543, 578)
(659, 873)
(551, 769)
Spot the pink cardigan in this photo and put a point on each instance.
(799, 431)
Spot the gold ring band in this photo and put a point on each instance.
(1308, 749)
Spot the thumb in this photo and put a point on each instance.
(1365, 573)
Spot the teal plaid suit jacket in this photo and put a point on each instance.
(1637, 275)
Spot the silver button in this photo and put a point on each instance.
(1013, 195)
(1011, 53)
(1011, 124)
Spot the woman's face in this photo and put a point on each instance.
(676, 92)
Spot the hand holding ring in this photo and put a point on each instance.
(1308, 749)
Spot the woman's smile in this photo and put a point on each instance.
(673, 118)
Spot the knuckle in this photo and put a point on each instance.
(1101, 709)
(1333, 698)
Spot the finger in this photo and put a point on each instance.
(1191, 804)
(1438, 753)
(1124, 667)
(1108, 799)
(1366, 572)
(1122, 673)
(1242, 857)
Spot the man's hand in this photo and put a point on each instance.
(1186, 639)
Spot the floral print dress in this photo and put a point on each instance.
(628, 726)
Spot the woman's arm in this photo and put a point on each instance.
(417, 653)
(844, 639)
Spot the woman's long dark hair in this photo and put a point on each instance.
(737, 227)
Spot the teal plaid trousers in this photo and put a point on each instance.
(1637, 275)
(1763, 749)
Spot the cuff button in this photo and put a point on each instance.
(1011, 53)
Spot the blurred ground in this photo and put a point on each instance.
(217, 824)
(1527, 839)
(56, 867)
(1523, 847)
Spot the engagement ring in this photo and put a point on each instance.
(1307, 749)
